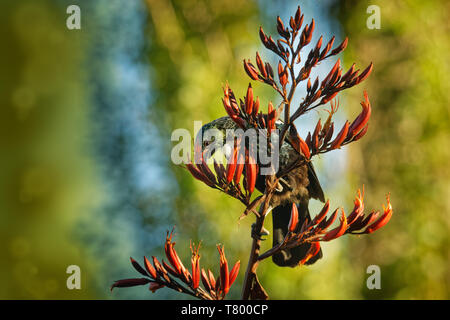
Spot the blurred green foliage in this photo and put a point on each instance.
(195, 47)
(406, 151)
(47, 179)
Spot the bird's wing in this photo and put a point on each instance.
(314, 188)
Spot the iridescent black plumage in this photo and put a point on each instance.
(297, 187)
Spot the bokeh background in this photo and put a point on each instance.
(86, 118)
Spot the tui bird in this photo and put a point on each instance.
(297, 187)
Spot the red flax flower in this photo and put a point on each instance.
(381, 222)
(318, 228)
(360, 122)
(231, 166)
(227, 179)
(313, 250)
(293, 222)
(251, 70)
(224, 274)
(159, 275)
(320, 141)
(338, 231)
(251, 170)
(246, 114)
(195, 260)
(298, 143)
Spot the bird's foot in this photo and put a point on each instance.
(288, 186)
(281, 185)
(259, 236)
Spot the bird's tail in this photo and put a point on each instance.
(290, 257)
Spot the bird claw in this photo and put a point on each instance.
(259, 236)
(286, 184)
(279, 188)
